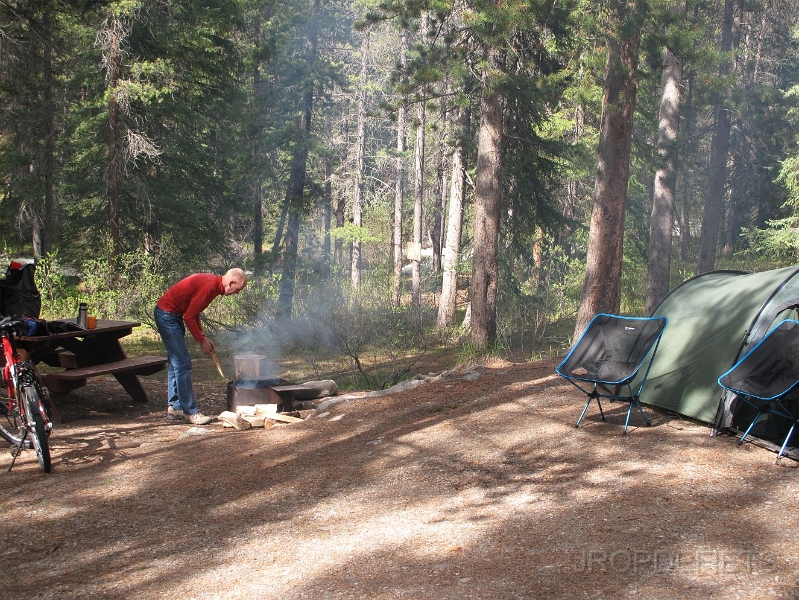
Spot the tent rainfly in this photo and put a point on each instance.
(714, 318)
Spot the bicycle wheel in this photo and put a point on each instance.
(34, 412)
(30, 377)
(10, 423)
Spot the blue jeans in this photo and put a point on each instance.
(173, 334)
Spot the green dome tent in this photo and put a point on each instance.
(713, 319)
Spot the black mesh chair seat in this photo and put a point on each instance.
(608, 357)
(607, 371)
(766, 376)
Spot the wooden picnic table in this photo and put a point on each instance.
(86, 353)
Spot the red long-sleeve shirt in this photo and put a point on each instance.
(189, 297)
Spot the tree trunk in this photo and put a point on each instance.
(399, 184)
(657, 283)
(541, 277)
(258, 222)
(296, 187)
(114, 171)
(418, 200)
(360, 141)
(487, 204)
(450, 254)
(439, 223)
(717, 169)
(281, 225)
(687, 147)
(49, 220)
(294, 200)
(285, 301)
(338, 247)
(602, 285)
(761, 38)
(418, 185)
(327, 216)
(571, 199)
(257, 183)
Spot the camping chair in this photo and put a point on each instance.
(766, 375)
(608, 356)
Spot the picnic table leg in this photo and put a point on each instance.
(108, 349)
(132, 386)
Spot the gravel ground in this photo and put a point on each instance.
(474, 484)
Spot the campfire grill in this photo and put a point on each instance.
(248, 392)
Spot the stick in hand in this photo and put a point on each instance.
(216, 362)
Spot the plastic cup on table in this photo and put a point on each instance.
(91, 322)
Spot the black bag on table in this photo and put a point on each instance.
(19, 295)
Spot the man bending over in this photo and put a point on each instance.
(177, 309)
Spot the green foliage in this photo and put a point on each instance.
(179, 107)
(779, 239)
(231, 317)
(57, 301)
(125, 287)
(350, 232)
(532, 299)
(633, 283)
(469, 353)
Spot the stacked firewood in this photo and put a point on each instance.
(260, 415)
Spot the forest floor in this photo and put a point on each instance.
(474, 484)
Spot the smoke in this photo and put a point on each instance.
(309, 332)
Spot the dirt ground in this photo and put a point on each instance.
(474, 484)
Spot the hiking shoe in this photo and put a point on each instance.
(173, 414)
(198, 419)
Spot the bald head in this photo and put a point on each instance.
(234, 281)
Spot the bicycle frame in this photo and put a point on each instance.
(27, 405)
(9, 370)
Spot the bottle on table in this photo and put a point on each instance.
(83, 312)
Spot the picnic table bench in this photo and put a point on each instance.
(87, 353)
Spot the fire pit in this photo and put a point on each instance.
(254, 383)
(248, 392)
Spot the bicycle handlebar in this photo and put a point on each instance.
(13, 326)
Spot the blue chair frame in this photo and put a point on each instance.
(766, 375)
(608, 357)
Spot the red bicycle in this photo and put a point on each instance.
(26, 415)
